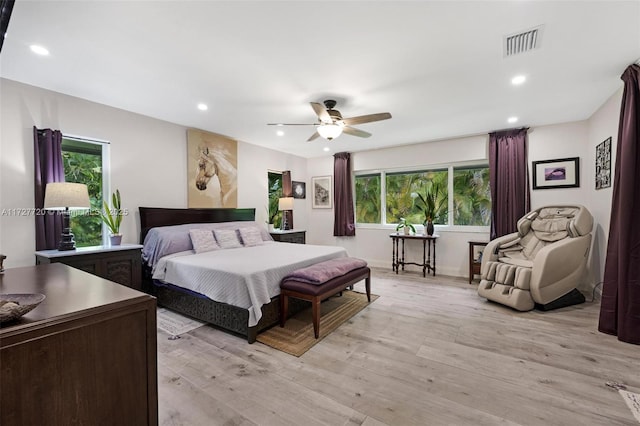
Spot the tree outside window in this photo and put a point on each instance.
(368, 199)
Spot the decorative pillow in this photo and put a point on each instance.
(227, 238)
(251, 236)
(202, 240)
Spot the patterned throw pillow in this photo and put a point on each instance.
(227, 238)
(202, 240)
(251, 236)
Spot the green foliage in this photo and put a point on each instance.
(471, 197)
(275, 193)
(432, 204)
(401, 193)
(87, 169)
(368, 199)
(112, 217)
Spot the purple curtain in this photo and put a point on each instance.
(287, 191)
(344, 224)
(48, 167)
(509, 180)
(620, 306)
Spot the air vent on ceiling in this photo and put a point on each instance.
(523, 41)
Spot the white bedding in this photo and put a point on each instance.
(246, 277)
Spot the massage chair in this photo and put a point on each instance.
(541, 265)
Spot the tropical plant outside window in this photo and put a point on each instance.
(405, 194)
(368, 203)
(471, 196)
(82, 162)
(401, 195)
(275, 193)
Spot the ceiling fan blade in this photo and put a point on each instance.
(292, 124)
(321, 112)
(315, 135)
(366, 118)
(355, 132)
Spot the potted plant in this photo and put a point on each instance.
(405, 226)
(430, 207)
(112, 217)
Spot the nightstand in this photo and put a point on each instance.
(296, 236)
(121, 264)
(475, 258)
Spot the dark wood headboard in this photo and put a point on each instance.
(151, 217)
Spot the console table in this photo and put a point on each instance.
(475, 262)
(87, 355)
(428, 243)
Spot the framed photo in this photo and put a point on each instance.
(603, 164)
(299, 189)
(322, 188)
(562, 173)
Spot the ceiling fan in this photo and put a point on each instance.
(330, 123)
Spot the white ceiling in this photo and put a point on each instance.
(437, 67)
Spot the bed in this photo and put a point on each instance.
(236, 289)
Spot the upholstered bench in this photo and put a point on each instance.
(320, 281)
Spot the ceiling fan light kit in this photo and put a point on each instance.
(330, 123)
(329, 131)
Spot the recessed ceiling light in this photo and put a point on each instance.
(280, 133)
(518, 79)
(203, 107)
(39, 50)
(512, 119)
(327, 149)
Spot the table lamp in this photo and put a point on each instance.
(285, 204)
(66, 196)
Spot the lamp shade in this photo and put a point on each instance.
(285, 203)
(63, 195)
(329, 131)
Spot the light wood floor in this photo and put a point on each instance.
(429, 351)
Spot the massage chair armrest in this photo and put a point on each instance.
(490, 252)
(559, 260)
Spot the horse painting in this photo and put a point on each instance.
(213, 162)
(215, 176)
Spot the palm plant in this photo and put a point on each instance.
(112, 217)
(432, 203)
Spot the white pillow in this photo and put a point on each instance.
(227, 238)
(202, 240)
(251, 236)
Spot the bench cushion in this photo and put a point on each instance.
(317, 289)
(324, 271)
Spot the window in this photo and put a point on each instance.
(405, 195)
(471, 196)
(403, 191)
(83, 163)
(368, 199)
(275, 193)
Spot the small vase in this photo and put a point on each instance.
(115, 239)
(270, 227)
(429, 228)
(406, 230)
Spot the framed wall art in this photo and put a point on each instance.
(212, 170)
(561, 173)
(603, 164)
(322, 188)
(299, 189)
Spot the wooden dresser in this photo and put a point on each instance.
(121, 264)
(86, 355)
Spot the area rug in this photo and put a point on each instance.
(175, 324)
(297, 335)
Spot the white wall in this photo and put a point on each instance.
(148, 161)
(602, 125)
